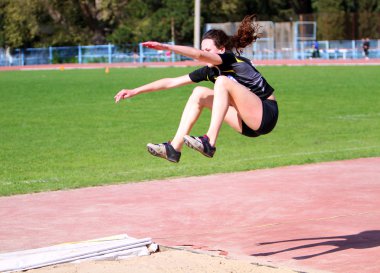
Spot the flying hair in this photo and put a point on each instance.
(247, 33)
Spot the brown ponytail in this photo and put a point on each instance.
(247, 33)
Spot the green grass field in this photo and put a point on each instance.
(62, 129)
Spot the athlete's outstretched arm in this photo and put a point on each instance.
(161, 84)
(200, 55)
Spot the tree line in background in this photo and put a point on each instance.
(42, 23)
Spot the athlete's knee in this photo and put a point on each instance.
(201, 95)
(222, 81)
(200, 90)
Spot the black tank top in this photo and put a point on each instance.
(237, 68)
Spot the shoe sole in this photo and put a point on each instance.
(154, 153)
(194, 144)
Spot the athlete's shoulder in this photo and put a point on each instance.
(204, 73)
(199, 74)
(228, 58)
(243, 59)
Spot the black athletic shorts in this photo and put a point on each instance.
(270, 116)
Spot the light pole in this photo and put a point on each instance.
(197, 28)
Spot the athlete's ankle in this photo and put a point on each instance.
(177, 146)
(210, 140)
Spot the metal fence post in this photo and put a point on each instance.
(172, 54)
(50, 55)
(22, 57)
(109, 53)
(328, 49)
(141, 53)
(79, 54)
(295, 41)
(354, 53)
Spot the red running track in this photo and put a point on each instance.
(316, 217)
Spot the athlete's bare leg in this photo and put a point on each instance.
(202, 97)
(247, 105)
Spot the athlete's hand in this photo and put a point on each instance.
(155, 45)
(124, 94)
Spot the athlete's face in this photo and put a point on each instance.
(208, 45)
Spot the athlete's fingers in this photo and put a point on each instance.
(120, 95)
(149, 44)
(153, 45)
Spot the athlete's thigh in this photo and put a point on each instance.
(248, 105)
(233, 119)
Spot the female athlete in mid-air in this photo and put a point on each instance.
(241, 96)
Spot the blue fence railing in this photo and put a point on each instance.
(135, 53)
(345, 49)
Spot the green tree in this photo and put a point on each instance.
(79, 22)
(301, 6)
(331, 19)
(175, 20)
(20, 22)
(62, 24)
(135, 16)
(369, 18)
(2, 23)
(28, 23)
(155, 20)
(58, 22)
